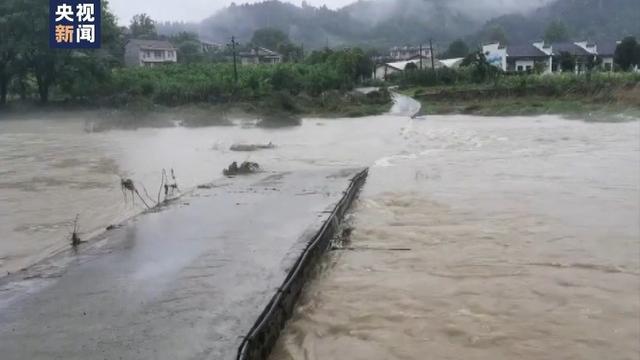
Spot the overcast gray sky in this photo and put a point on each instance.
(188, 10)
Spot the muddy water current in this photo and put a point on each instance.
(475, 238)
(486, 239)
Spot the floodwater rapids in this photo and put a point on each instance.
(475, 238)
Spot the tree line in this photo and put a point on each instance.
(29, 68)
(28, 65)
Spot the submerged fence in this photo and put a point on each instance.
(259, 342)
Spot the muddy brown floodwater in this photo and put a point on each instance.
(51, 170)
(514, 238)
(520, 235)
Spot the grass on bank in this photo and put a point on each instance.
(596, 96)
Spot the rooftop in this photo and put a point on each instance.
(264, 52)
(525, 51)
(570, 48)
(152, 44)
(607, 48)
(401, 65)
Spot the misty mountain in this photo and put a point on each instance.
(584, 19)
(385, 23)
(372, 23)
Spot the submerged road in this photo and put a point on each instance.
(185, 282)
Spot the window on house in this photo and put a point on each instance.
(607, 66)
(157, 54)
(529, 67)
(520, 68)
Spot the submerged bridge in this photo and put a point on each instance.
(211, 276)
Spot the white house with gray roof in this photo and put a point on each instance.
(149, 53)
(546, 57)
(260, 55)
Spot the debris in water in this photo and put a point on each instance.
(170, 188)
(245, 168)
(251, 147)
(128, 186)
(75, 238)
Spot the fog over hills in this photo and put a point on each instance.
(385, 23)
(373, 11)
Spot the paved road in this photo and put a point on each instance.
(183, 283)
(404, 106)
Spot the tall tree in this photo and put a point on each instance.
(188, 45)
(112, 35)
(143, 27)
(628, 53)
(43, 62)
(8, 50)
(269, 38)
(567, 62)
(277, 40)
(457, 49)
(556, 31)
(27, 40)
(481, 69)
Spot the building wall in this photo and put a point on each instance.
(135, 56)
(132, 55)
(524, 65)
(405, 53)
(607, 63)
(496, 56)
(158, 56)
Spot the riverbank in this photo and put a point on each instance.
(608, 101)
(278, 109)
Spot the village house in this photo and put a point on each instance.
(384, 70)
(149, 53)
(260, 56)
(605, 50)
(546, 58)
(528, 58)
(453, 63)
(580, 55)
(208, 47)
(404, 53)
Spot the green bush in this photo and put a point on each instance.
(186, 83)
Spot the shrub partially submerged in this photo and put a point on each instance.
(245, 168)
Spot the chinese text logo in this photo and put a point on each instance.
(74, 24)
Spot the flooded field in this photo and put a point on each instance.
(486, 239)
(475, 238)
(53, 169)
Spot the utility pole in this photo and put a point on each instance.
(420, 56)
(433, 61)
(235, 59)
